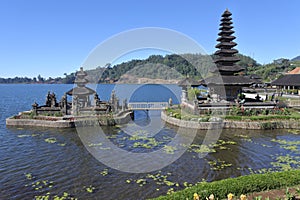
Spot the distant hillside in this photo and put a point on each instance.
(296, 58)
(274, 70)
(166, 69)
(156, 67)
(169, 68)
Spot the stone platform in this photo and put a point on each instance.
(71, 121)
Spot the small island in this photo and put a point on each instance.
(86, 109)
(225, 105)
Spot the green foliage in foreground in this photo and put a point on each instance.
(240, 185)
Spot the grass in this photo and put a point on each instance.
(295, 116)
(181, 114)
(240, 185)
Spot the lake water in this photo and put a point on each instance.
(49, 161)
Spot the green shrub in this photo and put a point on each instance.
(193, 93)
(58, 114)
(177, 115)
(234, 117)
(240, 185)
(203, 119)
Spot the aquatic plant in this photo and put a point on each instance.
(218, 164)
(104, 172)
(169, 149)
(141, 182)
(286, 162)
(29, 176)
(94, 145)
(294, 131)
(65, 196)
(43, 186)
(89, 189)
(51, 140)
(200, 148)
(24, 135)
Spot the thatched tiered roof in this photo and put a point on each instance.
(81, 89)
(226, 58)
(288, 80)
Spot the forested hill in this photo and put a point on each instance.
(193, 65)
(169, 67)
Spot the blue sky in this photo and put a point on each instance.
(55, 37)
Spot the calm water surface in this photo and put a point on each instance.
(37, 161)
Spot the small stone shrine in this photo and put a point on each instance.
(85, 101)
(85, 109)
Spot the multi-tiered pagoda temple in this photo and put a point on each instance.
(81, 93)
(226, 82)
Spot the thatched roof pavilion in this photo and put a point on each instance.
(288, 80)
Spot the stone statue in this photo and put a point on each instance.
(34, 108)
(124, 104)
(96, 100)
(53, 100)
(257, 97)
(170, 102)
(108, 109)
(113, 97)
(75, 105)
(48, 100)
(64, 104)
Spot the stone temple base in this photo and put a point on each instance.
(71, 121)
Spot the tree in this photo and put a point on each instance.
(40, 78)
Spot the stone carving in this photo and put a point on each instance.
(34, 108)
(170, 102)
(64, 104)
(48, 100)
(51, 100)
(96, 100)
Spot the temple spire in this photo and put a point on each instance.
(226, 74)
(225, 56)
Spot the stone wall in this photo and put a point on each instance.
(190, 124)
(71, 121)
(39, 123)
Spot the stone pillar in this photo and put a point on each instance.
(96, 100)
(124, 105)
(34, 108)
(75, 105)
(48, 100)
(184, 95)
(170, 102)
(195, 106)
(117, 104)
(53, 100)
(64, 104)
(112, 101)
